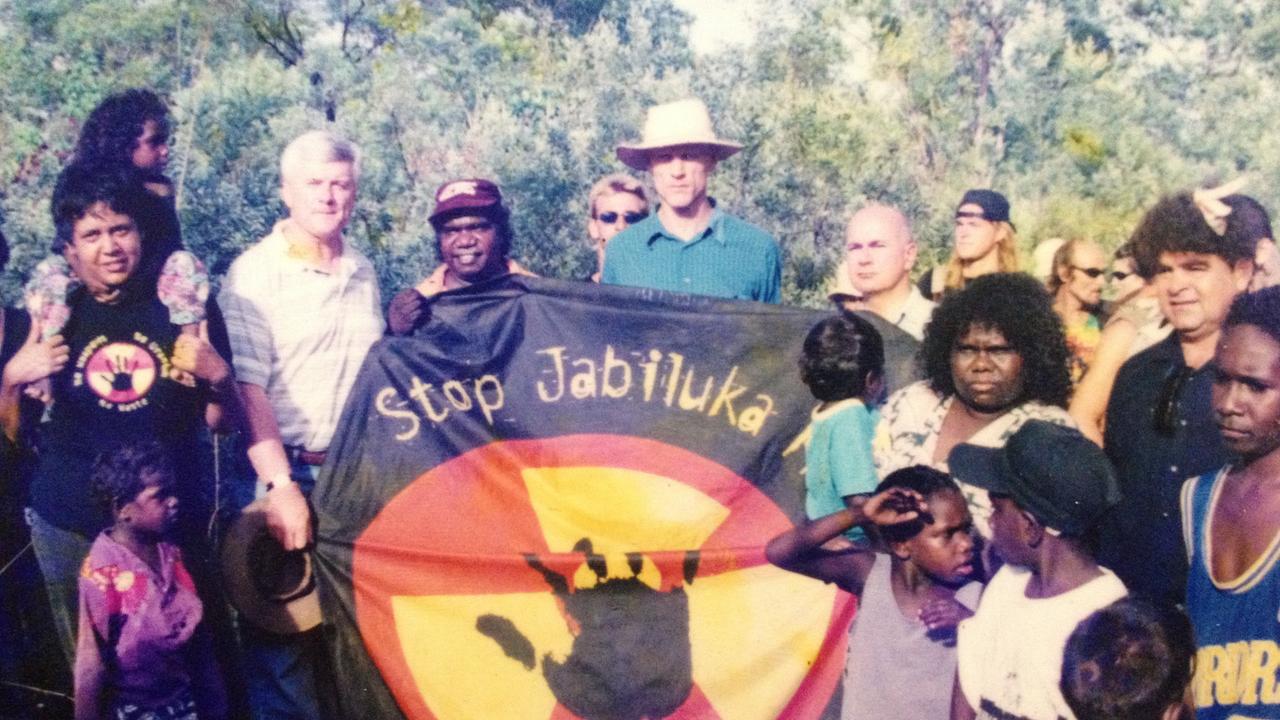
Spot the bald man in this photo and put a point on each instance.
(879, 255)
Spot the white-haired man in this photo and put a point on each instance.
(689, 245)
(302, 309)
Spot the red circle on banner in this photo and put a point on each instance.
(455, 541)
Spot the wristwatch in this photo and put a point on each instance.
(278, 481)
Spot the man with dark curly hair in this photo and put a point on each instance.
(994, 356)
(1160, 428)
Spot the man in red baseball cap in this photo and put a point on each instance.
(473, 240)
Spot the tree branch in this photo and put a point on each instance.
(277, 34)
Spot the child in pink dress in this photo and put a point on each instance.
(142, 652)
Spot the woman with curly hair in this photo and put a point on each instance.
(994, 356)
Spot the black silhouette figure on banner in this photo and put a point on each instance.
(631, 657)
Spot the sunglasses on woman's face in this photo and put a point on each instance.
(631, 218)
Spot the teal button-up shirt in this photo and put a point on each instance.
(730, 259)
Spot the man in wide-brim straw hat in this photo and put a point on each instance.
(689, 245)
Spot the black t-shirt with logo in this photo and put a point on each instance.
(116, 389)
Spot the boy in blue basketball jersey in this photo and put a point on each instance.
(1231, 523)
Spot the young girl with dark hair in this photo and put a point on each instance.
(842, 364)
(143, 651)
(912, 594)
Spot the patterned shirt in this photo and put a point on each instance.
(301, 333)
(1082, 342)
(137, 629)
(730, 259)
(911, 422)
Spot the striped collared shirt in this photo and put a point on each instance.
(301, 333)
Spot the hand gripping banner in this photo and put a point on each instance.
(552, 501)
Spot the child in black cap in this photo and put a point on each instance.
(1049, 485)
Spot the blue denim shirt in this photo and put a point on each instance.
(730, 259)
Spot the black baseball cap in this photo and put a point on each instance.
(1051, 471)
(994, 205)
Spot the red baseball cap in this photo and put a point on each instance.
(457, 197)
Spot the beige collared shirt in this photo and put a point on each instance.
(914, 314)
(301, 333)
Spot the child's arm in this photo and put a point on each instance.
(206, 678)
(853, 468)
(800, 549)
(90, 674)
(960, 707)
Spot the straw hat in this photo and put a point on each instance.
(673, 124)
(275, 590)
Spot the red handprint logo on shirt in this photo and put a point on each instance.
(121, 372)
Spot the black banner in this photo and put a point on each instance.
(552, 501)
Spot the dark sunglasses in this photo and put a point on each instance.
(1166, 410)
(609, 218)
(1119, 275)
(1094, 273)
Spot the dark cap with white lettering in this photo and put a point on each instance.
(474, 196)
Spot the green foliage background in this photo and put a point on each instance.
(1082, 111)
